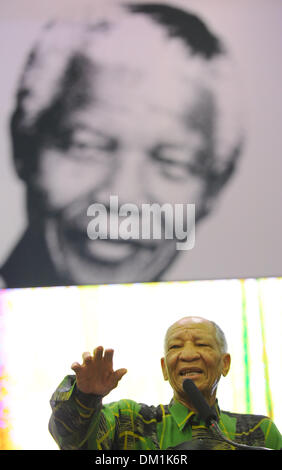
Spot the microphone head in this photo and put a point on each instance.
(198, 401)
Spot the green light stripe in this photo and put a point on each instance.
(246, 350)
(268, 397)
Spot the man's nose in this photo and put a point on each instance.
(189, 353)
(126, 180)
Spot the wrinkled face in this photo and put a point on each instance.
(134, 140)
(192, 351)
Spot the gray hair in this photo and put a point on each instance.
(220, 337)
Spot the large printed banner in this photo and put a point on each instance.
(140, 142)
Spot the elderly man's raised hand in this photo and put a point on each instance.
(96, 375)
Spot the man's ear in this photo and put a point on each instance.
(226, 364)
(164, 369)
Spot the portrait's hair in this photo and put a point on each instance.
(55, 81)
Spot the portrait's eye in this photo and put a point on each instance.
(87, 145)
(172, 161)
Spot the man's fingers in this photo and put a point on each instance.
(108, 355)
(76, 367)
(87, 358)
(120, 373)
(99, 355)
(98, 352)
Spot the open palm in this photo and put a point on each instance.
(96, 375)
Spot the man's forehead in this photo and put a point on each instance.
(196, 325)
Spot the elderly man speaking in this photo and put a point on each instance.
(195, 349)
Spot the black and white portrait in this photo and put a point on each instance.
(153, 103)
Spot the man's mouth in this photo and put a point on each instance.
(190, 372)
(105, 249)
(110, 251)
(105, 259)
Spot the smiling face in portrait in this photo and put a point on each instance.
(192, 351)
(129, 134)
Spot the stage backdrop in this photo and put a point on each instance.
(147, 105)
(44, 330)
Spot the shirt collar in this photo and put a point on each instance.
(183, 415)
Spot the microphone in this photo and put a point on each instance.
(199, 402)
(209, 416)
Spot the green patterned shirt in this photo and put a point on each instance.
(81, 421)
